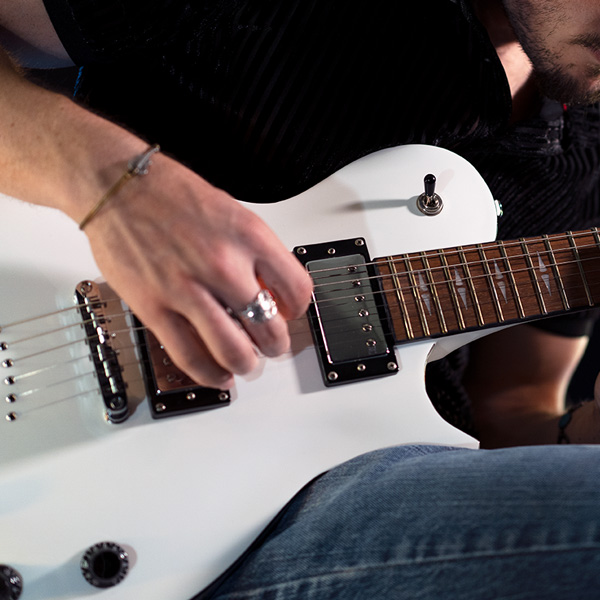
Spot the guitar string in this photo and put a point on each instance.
(64, 327)
(84, 340)
(75, 359)
(113, 335)
(13, 398)
(436, 255)
(44, 390)
(70, 308)
(429, 254)
(485, 277)
(454, 251)
(399, 258)
(338, 300)
(409, 288)
(30, 392)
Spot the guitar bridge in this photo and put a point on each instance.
(348, 318)
(106, 362)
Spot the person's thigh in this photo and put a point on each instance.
(424, 522)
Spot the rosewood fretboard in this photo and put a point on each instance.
(439, 292)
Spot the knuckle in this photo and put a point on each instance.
(225, 266)
(274, 345)
(300, 299)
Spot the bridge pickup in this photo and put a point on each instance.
(348, 317)
(170, 391)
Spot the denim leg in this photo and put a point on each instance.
(423, 522)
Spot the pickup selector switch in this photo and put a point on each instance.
(104, 564)
(429, 203)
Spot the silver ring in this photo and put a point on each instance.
(261, 309)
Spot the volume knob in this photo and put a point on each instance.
(104, 564)
(11, 583)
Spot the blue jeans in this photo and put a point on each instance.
(423, 522)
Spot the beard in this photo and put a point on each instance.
(559, 85)
(553, 78)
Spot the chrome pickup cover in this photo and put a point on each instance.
(347, 316)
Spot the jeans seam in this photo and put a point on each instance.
(405, 562)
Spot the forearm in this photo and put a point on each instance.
(517, 381)
(54, 152)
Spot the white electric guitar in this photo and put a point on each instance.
(120, 479)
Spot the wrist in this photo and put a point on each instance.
(54, 152)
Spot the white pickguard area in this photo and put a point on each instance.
(186, 495)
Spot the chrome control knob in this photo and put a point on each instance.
(11, 583)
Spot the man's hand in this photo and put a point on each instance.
(177, 250)
(180, 252)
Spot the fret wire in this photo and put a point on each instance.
(416, 295)
(571, 237)
(557, 276)
(434, 293)
(417, 271)
(511, 279)
(400, 298)
(581, 271)
(412, 288)
(510, 270)
(596, 234)
(508, 245)
(533, 277)
(490, 280)
(449, 279)
(470, 285)
(480, 276)
(392, 266)
(452, 287)
(517, 293)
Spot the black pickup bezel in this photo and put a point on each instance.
(342, 372)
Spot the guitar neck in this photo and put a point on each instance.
(440, 292)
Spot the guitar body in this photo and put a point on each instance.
(185, 495)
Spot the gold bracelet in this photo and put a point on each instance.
(138, 165)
